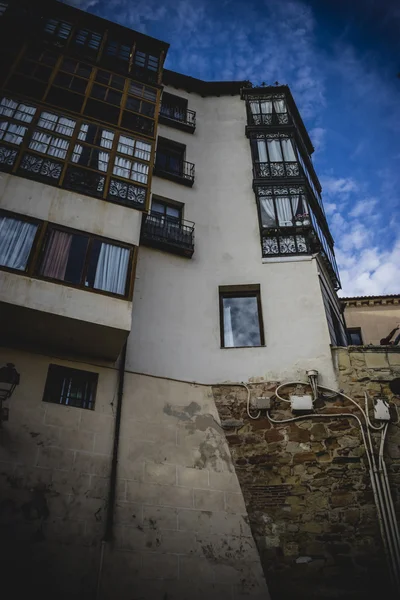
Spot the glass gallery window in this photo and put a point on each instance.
(83, 260)
(282, 206)
(267, 109)
(240, 316)
(16, 241)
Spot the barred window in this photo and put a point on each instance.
(71, 387)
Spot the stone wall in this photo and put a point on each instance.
(181, 528)
(306, 484)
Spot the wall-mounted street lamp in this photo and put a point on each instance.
(9, 379)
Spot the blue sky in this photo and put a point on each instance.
(341, 59)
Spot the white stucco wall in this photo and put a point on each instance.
(70, 209)
(175, 328)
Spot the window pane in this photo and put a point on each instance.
(158, 207)
(71, 387)
(241, 321)
(64, 256)
(111, 269)
(16, 240)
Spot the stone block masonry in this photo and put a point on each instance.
(306, 485)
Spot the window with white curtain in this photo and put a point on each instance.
(129, 169)
(241, 319)
(49, 144)
(12, 133)
(16, 241)
(282, 206)
(277, 149)
(16, 110)
(83, 260)
(268, 110)
(133, 147)
(62, 125)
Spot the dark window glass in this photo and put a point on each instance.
(64, 256)
(90, 40)
(241, 319)
(102, 111)
(170, 212)
(170, 156)
(174, 107)
(57, 29)
(71, 387)
(355, 337)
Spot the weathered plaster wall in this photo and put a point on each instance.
(181, 527)
(307, 489)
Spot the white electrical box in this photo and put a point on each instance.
(381, 409)
(300, 403)
(261, 403)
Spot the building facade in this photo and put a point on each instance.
(161, 236)
(371, 319)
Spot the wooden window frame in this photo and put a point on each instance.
(240, 291)
(56, 68)
(73, 140)
(58, 372)
(39, 245)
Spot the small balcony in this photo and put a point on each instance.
(175, 236)
(168, 167)
(178, 117)
(275, 170)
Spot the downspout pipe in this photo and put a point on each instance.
(108, 532)
(109, 528)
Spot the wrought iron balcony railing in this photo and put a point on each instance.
(305, 239)
(169, 167)
(167, 234)
(273, 118)
(176, 116)
(270, 170)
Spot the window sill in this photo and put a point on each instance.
(278, 259)
(241, 347)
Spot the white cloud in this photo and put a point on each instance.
(338, 186)
(364, 208)
(370, 272)
(317, 135)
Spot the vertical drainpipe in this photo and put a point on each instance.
(108, 531)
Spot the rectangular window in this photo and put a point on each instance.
(71, 387)
(268, 110)
(170, 156)
(169, 212)
(59, 30)
(146, 61)
(16, 241)
(241, 316)
(282, 206)
(354, 336)
(82, 260)
(174, 107)
(87, 41)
